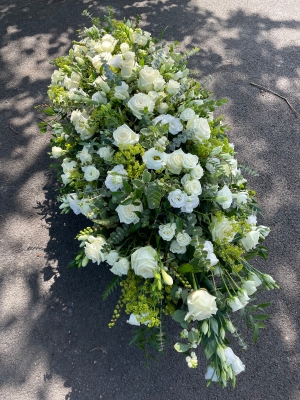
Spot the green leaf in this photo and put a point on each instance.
(210, 348)
(112, 286)
(261, 317)
(179, 224)
(255, 332)
(134, 228)
(146, 176)
(214, 325)
(154, 195)
(264, 305)
(193, 337)
(184, 268)
(179, 315)
(126, 202)
(126, 186)
(181, 347)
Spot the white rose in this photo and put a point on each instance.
(167, 231)
(221, 229)
(173, 87)
(235, 304)
(116, 61)
(183, 239)
(127, 213)
(84, 155)
(124, 135)
(193, 187)
(144, 261)
(249, 286)
(187, 114)
(114, 179)
(121, 92)
(241, 197)
(197, 172)
(120, 267)
(128, 64)
(93, 250)
(189, 161)
(201, 305)
(148, 76)
(192, 202)
(177, 198)
(201, 128)
(233, 361)
(154, 159)
(159, 83)
(175, 162)
(139, 102)
(250, 240)
(176, 248)
(111, 257)
(57, 152)
(106, 152)
(224, 197)
(90, 173)
(162, 108)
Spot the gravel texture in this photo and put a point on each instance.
(54, 340)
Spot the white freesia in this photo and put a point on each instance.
(124, 135)
(127, 213)
(93, 250)
(154, 159)
(224, 197)
(139, 102)
(183, 238)
(166, 277)
(167, 231)
(114, 179)
(176, 248)
(144, 261)
(201, 305)
(120, 267)
(91, 173)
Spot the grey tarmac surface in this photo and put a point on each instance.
(54, 340)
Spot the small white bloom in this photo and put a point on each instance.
(224, 197)
(73, 201)
(193, 186)
(241, 197)
(187, 114)
(84, 155)
(121, 92)
(93, 249)
(208, 247)
(177, 198)
(221, 229)
(192, 202)
(253, 277)
(176, 248)
(124, 135)
(106, 153)
(211, 374)
(175, 126)
(133, 321)
(167, 231)
(249, 287)
(114, 179)
(124, 47)
(154, 159)
(235, 304)
(183, 238)
(111, 257)
(243, 297)
(127, 213)
(90, 173)
(139, 102)
(162, 108)
(250, 240)
(99, 98)
(120, 267)
(57, 152)
(252, 219)
(173, 87)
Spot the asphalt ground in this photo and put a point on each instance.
(54, 339)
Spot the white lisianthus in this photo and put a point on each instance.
(189, 161)
(249, 286)
(139, 102)
(116, 61)
(148, 76)
(68, 166)
(235, 304)
(250, 240)
(120, 267)
(121, 91)
(73, 201)
(144, 261)
(201, 305)
(187, 114)
(128, 64)
(183, 238)
(90, 173)
(99, 98)
(241, 197)
(176, 248)
(201, 128)
(57, 152)
(253, 277)
(173, 87)
(106, 153)
(112, 257)
(197, 172)
(224, 197)
(124, 47)
(177, 198)
(263, 231)
(133, 321)
(158, 84)
(124, 135)
(252, 219)
(114, 179)
(154, 159)
(107, 43)
(175, 162)
(175, 126)
(93, 249)
(167, 231)
(243, 297)
(211, 374)
(221, 228)
(87, 207)
(127, 213)
(233, 361)
(84, 155)
(72, 82)
(139, 38)
(209, 248)
(192, 202)
(193, 186)
(212, 164)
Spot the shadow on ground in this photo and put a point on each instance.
(57, 322)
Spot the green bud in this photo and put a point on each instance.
(221, 353)
(222, 332)
(204, 327)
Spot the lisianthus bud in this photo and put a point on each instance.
(221, 353)
(204, 327)
(166, 277)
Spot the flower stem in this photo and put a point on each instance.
(194, 281)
